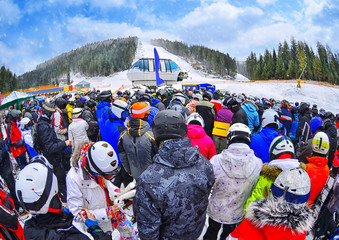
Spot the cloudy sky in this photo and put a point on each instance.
(34, 31)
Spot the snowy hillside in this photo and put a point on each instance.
(325, 97)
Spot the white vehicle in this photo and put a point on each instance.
(143, 72)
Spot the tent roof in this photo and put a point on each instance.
(82, 82)
(15, 95)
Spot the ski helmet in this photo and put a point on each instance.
(179, 108)
(61, 103)
(293, 185)
(279, 146)
(208, 95)
(102, 159)
(105, 96)
(217, 94)
(179, 97)
(76, 112)
(48, 109)
(162, 93)
(239, 132)
(322, 112)
(16, 114)
(321, 143)
(118, 108)
(145, 98)
(271, 118)
(231, 101)
(329, 115)
(140, 110)
(316, 123)
(168, 124)
(196, 119)
(91, 103)
(197, 96)
(304, 107)
(25, 123)
(36, 186)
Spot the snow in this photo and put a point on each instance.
(326, 97)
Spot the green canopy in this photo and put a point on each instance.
(15, 98)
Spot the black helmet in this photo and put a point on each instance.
(329, 115)
(168, 124)
(217, 94)
(162, 93)
(91, 103)
(145, 98)
(127, 93)
(105, 96)
(207, 94)
(304, 107)
(61, 103)
(48, 109)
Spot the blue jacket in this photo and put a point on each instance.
(151, 115)
(261, 143)
(294, 126)
(102, 115)
(286, 119)
(252, 115)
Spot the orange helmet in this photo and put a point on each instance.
(140, 110)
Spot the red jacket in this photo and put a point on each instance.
(217, 104)
(199, 137)
(318, 172)
(14, 135)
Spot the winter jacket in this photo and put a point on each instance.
(77, 132)
(52, 226)
(172, 193)
(208, 112)
(217, 104)
(85, 192)
(52, 147)
(318, 172)
(252, 115)
(269, 173)
(136, 147)
(28, 140)
(294, 126)
(93, 127)
(191, 106)
(153, 111)
(274, 220)
(199, 138)
(332, 133)
(158, 104)
(224, 115)
(236, 172)
(286, 119)
(60, 124)
(102, 115)
(261, 143)
(304, 150)
(304, 116)
(69, 109)
(16, 143)
(240, 116)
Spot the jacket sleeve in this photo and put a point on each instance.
(123, 155)
(212, 151)
(258, 192)
(147, 214)
(8, 218)
(47, 138)
(57, 124)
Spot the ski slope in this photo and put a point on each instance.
(324, 96)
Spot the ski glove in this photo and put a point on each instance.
(68, 150)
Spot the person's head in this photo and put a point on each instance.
(232, 103)
(281, 148)
(120, 109)
(322, 112)
(292, 185)
(195, 119)
(61, 103)
(91, 103)
(270, 119)
(217, 94)
(76, 112)
(207, 95)
(105, 96)
(320, 144)
(36, 187)
(168, 124)
(284, 103)
(102, 160)
(145, 97)
(197, 96)
(179, 98)
(304, 108)
(48, 109)
(25, 123)
(239, 133)
(15, 115)
(162, 94)
(316, 124)
(140, 110)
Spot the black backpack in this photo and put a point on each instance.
(36, 143)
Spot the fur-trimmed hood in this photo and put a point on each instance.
(273, 169)
(277, 212)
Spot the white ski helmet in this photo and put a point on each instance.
(102, 159)
(76, 112)
(118, 108)
(321, 143)
(179, 97)
(195, 118)
(24, 122)
(279, 146)
(270, 116)
(293, 185)
(36, 185)
(239, 132)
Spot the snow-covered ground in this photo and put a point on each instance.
(324, 96)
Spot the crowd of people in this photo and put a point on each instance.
(251, 168)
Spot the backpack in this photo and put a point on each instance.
(38, 148)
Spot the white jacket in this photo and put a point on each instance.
(77, 131)
(57, 123)
(236, 172)
(84, 192)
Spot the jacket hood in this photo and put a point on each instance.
(237, 161)
(177, 153)
(268, 134)
(272, 169)
(195, 131)
(137, 127)
(102, 104)
(318, 161)
(277, 212)
(249, 106)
